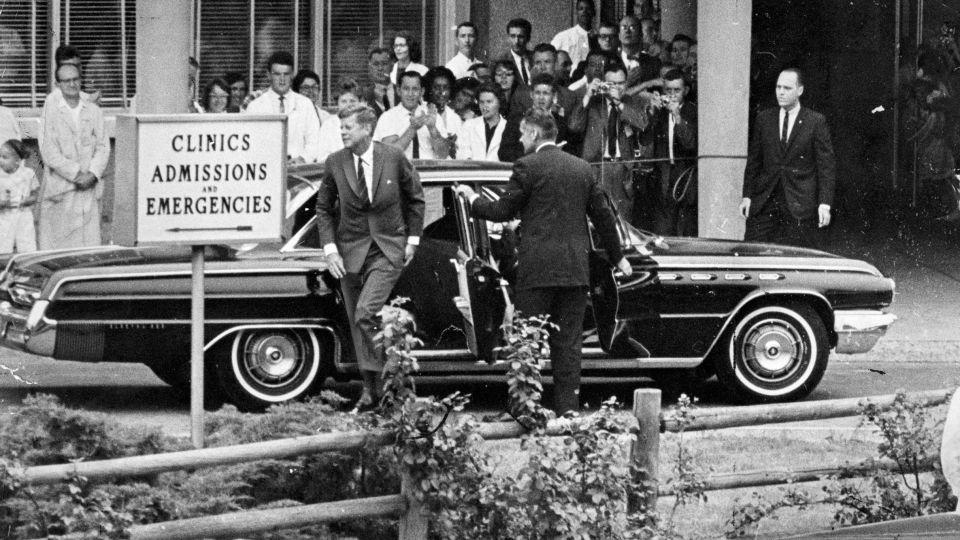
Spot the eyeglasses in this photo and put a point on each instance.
(73, 80)
(606, 36)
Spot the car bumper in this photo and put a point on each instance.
(18, 330)
(858, 331)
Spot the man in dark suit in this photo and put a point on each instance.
(609, 121)
(543, 96)
(673, 133)
(377, 194)
(553, 193)
(518, 32)
(788, 184)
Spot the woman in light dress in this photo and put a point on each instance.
(18, 193)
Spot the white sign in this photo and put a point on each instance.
(200, 179)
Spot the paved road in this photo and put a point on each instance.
(132, 394)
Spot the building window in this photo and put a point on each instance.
(104, 31)
(351, 29)
(24, 42)
(239, 36)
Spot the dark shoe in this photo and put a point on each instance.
(365, 403)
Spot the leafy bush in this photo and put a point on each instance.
(910, 433)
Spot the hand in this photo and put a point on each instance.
(430, 119)
(745, 207)
(409, 253)
(623, 265)
(417, 120)
(296, 161)
(592, 87)
(823, 213)
(464, 190)
(335, 265)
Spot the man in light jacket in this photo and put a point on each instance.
(75, 150)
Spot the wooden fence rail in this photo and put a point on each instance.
(412, 519)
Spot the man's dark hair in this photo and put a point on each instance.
(544, 78)
(380, 50)
(65, 52)
(467, 24)
(797, 72)
(301, 76)
(348, 85)
(612, 64)
(411, 75)
(522, 24)
(365, 114)
(413, 44)
(683, 38)
(282, 58)
(479, 65)
(675, 75)
(492, 88)
(543, 121)
(545, 47)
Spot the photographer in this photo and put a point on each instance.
(610, 121)
(673, 133)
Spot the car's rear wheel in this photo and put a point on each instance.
(774, 353)
(265, 366)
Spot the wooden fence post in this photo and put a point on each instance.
(414, 522)
(645, 451)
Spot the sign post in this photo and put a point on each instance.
(199, 180)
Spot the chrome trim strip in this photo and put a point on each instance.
(255, 322)
(702, 277)
(608, 364)
(235, 329)
(771, 277)
(168, 273)
(208, 296)
(670, 263)
(693, 315)
(859, 330)
(668, 276)
(736, 277)
(445, 354)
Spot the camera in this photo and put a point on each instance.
(604, 88)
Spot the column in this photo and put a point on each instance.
(723, 47)
(164, 43)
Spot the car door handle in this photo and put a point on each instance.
(633, 279)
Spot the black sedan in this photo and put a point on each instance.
(763, 318)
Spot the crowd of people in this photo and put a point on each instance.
(620, 96)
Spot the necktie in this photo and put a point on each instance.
(523, 71)
(362, 179)
(282, 110)
(786, 123)
(612, 131)
(416, 145)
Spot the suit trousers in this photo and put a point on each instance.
(777, 225)
(364, 295)
(616, 178)
(565, 306)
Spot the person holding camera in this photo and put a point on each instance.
(672, 132)
(610, 120)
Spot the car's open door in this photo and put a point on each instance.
(483, 296)
(613, 295)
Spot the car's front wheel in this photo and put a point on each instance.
(774, 353)
(265, 366)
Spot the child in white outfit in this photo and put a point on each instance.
(18, 192)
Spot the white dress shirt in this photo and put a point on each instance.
(303, 124)
(521, 61)
(397, 119)
(576, 41)
(793, 120)
(460, 65)
(330, 140)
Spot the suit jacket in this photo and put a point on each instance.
(521, 100)
(805, 170)
(395, 213)
(511, 149)
(553, 193)
(684, 139)
(592, 122)
(67, 148)
(472, 143)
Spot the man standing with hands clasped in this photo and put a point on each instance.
(553, 193)
(380, 222)
(788, 184)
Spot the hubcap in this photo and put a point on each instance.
(772, 349)
(273, 359)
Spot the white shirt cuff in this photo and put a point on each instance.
(413, 240)
(826, 206)
(330, 249)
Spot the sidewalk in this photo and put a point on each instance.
(923, 257)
